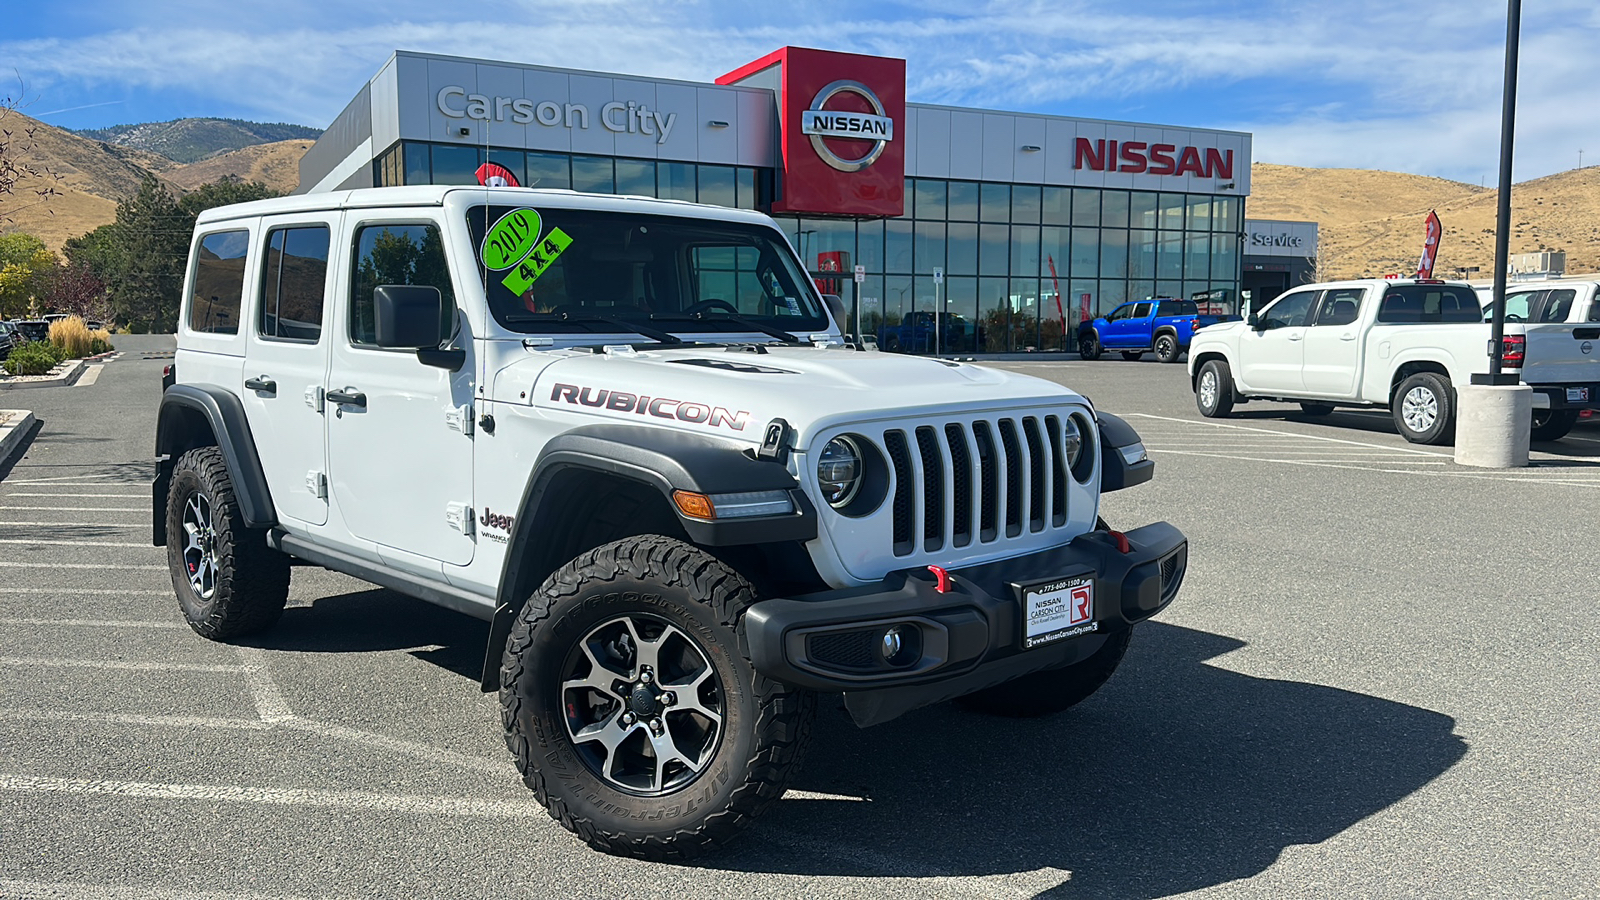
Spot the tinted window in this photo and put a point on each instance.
(1121, 312)
(1177, 308)
(293, 280)
(1141, 310)
(1290, 311)
(1557, 305)
(218, 282)
(1339, 307)
(1429, 303)
(396, 254)
(641, 268)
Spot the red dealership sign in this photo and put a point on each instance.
(1151, 159)
(841, 117)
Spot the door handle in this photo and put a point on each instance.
(1347, 337)
(261, 383)
(348, 398)
(1294, 337)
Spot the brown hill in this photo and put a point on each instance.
(277, 165)
(1372, 222)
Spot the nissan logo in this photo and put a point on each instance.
(1586, 347)
(819, 123)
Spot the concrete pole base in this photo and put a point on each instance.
(1492, 425)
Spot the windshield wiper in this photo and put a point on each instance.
(736, 318)
(660, 337)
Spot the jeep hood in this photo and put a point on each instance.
(734, 393)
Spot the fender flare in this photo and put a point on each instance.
(230, 432)
(665, 459)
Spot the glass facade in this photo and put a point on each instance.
(1021, 262)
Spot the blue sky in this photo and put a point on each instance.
(1406, 85)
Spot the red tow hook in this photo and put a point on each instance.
(1122, 541)
(942, 579)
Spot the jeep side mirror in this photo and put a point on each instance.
(835, 304)
(407, 316)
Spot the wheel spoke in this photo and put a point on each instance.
(687, 692)
(649, 652)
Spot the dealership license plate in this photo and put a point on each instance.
(1057, 610)
(1578, 395)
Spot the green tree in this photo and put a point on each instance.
(152, 238)
(27, 272)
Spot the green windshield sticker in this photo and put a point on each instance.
(538, 259)
(511, 239)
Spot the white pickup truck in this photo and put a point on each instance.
(1397, 344)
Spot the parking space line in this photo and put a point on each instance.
(4, 523)
(33, 543)
(221, 793)
(69, 890)
(47, 662)
(108, 592)
(58, 478)
(15, 564)
(1439, 474)
(1246, 428)
(93, 623)
(51, 715)
(270, 705)
(143, 510)
(140, 496)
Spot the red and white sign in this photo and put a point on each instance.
(1430, 246)
(495, 175)
(841, 118)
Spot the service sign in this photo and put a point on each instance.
(841, 119)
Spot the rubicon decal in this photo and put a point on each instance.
(644, 404)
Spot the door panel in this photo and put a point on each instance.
(286, 360)
(397, 467)
(1332, 345)
(1273, 358)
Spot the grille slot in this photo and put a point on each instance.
(895, 443)
(932, 489)
(1013, 449)
(1058, 472)
(961, 485)
(844, 649)
(988, 483)
(1030, 432)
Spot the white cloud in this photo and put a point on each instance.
(1406, 84)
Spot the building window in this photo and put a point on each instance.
(455, 164)
(593, 175)
(549, 170)
(418, 168)
(675, 181)
(514, 161)
(962, 204)
(718, 186)
(929, 199)
(636, 177)
(994, 202)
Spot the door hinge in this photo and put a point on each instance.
(459, 517)
(314, 396)
(317, 484)
(459, 418)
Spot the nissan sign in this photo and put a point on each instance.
(820, 122)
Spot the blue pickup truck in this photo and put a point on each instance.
(1163, 325)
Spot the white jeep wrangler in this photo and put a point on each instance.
(627, 434)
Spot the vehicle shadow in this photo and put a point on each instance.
(1177, 776)
(380, 620)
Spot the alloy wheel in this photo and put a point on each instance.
(1419, 409)
(1208, 389)
(644, 706)
(200, 553)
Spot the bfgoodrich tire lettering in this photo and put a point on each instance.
(229, 582)
(764, 724)
(1052, 690)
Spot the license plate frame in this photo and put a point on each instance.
(1577, 395)
(1055, 610)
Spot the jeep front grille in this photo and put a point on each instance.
(982, 479)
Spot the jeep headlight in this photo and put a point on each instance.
(839, 469)
(1077, 437)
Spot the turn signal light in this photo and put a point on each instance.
(695, 506)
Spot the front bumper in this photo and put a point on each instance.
(1577, 395)
(967, 638)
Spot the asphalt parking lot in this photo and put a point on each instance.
(1378, 682)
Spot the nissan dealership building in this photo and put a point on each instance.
(1019, 224)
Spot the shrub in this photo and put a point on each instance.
(32, 358)
(71, 336)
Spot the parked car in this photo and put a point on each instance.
(1563, 300)
(1165, 326)
(684, 513)
(8, 339)
(1402, 344)
(915, 333)
(33, 329)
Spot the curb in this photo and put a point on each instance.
(14, 435)
(67, 378)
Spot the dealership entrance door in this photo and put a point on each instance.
(1258, 288)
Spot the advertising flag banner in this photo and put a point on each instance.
(1430, 246)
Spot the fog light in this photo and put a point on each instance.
(891, 643)
(900, 645)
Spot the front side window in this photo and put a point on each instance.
(294, 278)
(1290, 311)
(396, 253)
(1340, 307)
(218, 281)
(1120, 313)
(1518, 306)
(567, 270)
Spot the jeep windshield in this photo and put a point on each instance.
(569, 271)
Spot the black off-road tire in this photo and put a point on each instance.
(251, 582)
(1553, 424)
(1315, 409)
(765, 724)
(1213, 390)
(1133, 355)
(1053, 690)
(1167, 349)
(1089, 345)
(1420, 426)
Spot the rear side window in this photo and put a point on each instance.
(1413, 303)
(396, 254)
(1557, 305)
(294, 279)
(1340, 307)
(218, 282)
(1177, 308)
